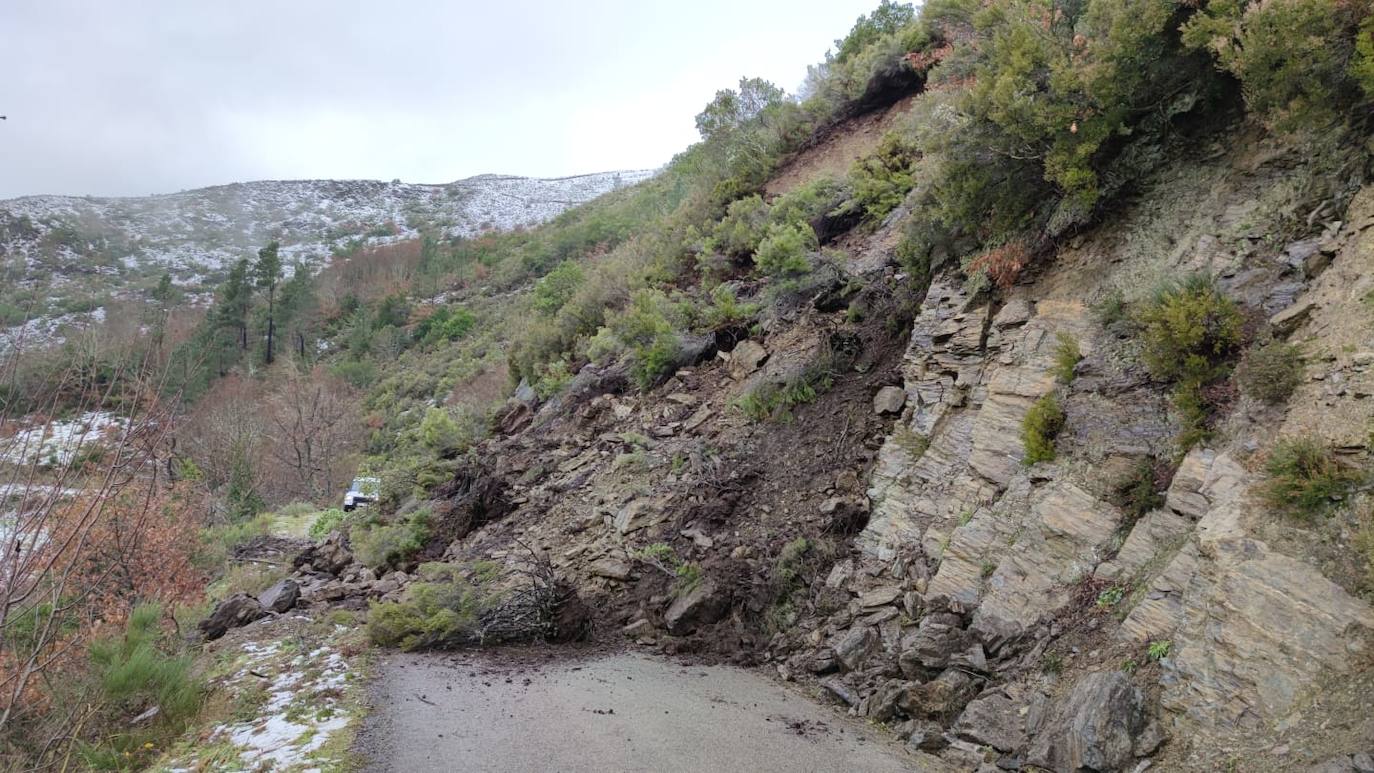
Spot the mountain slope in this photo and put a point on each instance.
(83, 250)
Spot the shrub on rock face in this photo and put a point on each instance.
(1188, 330)
(1271, 372)
(1305, 479)
(1189, 333)
(1298, 61)
(1066, 357)
(783, 251)
(1042, 424)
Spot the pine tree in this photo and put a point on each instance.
(266, 273)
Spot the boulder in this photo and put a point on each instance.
(702, 605)
(889, 399)
(938, 638)
(1095, 727)
(330, 556)
(1291, 318)
(927, 736)
(281, 597)
(854, 647)
(883, 704)
(944, 696)
(993, 719)
(880, 597)
(636, 515)
(238, 610)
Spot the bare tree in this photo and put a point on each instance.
(313, 430)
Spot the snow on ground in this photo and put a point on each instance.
(305, 696)
(57, 442)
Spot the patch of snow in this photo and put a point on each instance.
(58, 442)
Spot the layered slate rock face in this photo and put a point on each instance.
(1204, 618)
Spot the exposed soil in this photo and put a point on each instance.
(841, 147)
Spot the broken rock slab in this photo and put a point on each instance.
(1094, 727)
(702, 605)
(281, 597)
(236, 611)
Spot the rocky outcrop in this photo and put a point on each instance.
(1000, 569)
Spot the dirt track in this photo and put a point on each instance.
(622, 712)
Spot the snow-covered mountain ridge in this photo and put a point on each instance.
(196, 232)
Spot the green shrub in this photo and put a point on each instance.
(446, 323)
(783, 252)
(446, 436)
(1188, 331)
(807, 203)
(1304, 478)
(1362, 66)
(1066, 357)
(132, 673)
(442, 612)
(553, 378)
(1138, 493)
(738, 234)
(1039, 428)
(771, 400)
(1290, 55)
(557, 287)
(726, 310)
(389, 545)
(358, 373)
(646, 330)
(883, 179)
(326, 522)
(1271, 372)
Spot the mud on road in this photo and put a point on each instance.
(604, 712)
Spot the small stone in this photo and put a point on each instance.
(840, 690)
(855, 647)
(611, 568)
(1291, 318)
(880, 596)
(747, 357)
(638, 627)
(889, 399)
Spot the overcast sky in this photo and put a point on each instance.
(155, 96)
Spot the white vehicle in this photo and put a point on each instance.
(360, 492)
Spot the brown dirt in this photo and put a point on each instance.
(842, 146)
(749, 487)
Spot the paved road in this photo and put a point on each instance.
(623, 712)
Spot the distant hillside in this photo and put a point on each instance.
(83, 250)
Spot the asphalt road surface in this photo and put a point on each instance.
(616, 712)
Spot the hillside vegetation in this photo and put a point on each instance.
(919, 434)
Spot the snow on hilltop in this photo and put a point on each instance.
(63, 258)
(197, 233)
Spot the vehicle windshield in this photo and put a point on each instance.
(364, 486)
